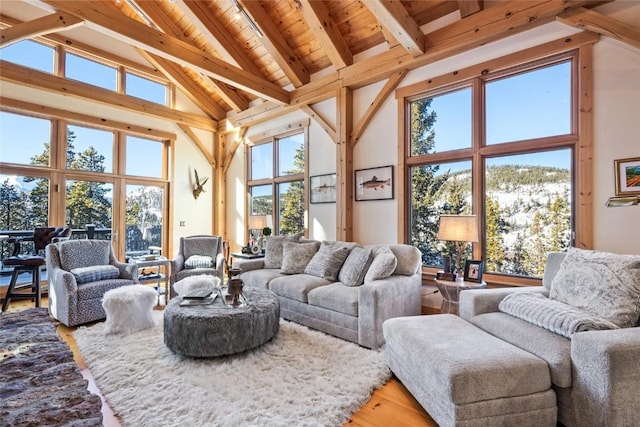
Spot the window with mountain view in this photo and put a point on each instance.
(526, 192)
(282, 194)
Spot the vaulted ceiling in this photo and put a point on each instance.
(241, 59)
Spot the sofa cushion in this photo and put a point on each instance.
(260, 278)
(296, 286)
(604, 284)
(355, 267)
(326, 263)
(95, 273)
(296, 256)
(274, 248)
(335, 297)
(552, 348)
(409, 259)
(383, 265)
(199, 261)
(552, 315)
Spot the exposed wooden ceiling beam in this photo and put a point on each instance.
(48, 82)
(469, 7)
(105, 19)
(317, 16)
(393, 16)
(201, 146)
(78, 46)
(214, 32)
(593, 21)
(15, 105)
(275, 43)
(229, 94)
(187, 85)
(45, 25)
(324, 124)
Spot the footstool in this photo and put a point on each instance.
(129, 308)
(218, 330)
(462, 375)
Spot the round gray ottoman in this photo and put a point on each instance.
(217, 330)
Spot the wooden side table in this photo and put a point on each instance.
(451, 293)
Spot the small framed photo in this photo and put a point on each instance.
(374, 183)
(627, 176)
(322, 188)
(473, 271)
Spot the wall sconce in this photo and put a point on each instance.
(460, 229)
(619, 201)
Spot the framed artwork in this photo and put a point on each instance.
(473, 271)
(627, 176)
(322, 188)
(374, 183)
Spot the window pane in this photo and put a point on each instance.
(144, 217)
(24, 140)
(90, 202)
(530, 105)
(291, 207)
(30, 54)
(528, 210)
(441, 123)
(437, 189)
(24, 202)
(89, 149)
(146, 89)
(291, 155)
(144, 157)
(261, 200)
(262, 161)
(91, 72)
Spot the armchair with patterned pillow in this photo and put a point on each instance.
(197, 255)
(80, 272)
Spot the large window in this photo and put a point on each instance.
(500, 146)
(30, 54)
(282, 194)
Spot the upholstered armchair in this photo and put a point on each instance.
(80, 272)
(197, 255)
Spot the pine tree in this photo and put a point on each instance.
(560, 217)
(292, 201)
(494, 241)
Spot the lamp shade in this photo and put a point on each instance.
(257, 222)
(458, 228)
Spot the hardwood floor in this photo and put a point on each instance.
(391, 404)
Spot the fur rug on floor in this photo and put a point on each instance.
(300, 378)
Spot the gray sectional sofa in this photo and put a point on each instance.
(371, 284)
(577, 337)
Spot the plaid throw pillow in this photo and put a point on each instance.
(95, 273)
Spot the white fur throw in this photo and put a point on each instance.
(129, 309)
(195, 283)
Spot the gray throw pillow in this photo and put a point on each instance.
(355, 267)
(273, 249)
(296, 256)
(383, 265)
(327, 261)
(409, 259)
(199, 261)
(604, 284)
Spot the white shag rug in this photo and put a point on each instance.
(300, 378)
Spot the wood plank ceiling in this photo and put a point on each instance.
(246, 60)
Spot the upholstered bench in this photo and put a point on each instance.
(129, 308)
(464, 376)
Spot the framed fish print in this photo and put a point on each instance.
(374, 183)
(322, 188)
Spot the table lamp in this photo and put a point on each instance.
(258, 222)
(460, 229)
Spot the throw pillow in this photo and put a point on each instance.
(95, 273)
(355, 267)
(296, 256)
(273, 249)
(199, 261)
(604, 284)
(409, 259)
(327, 261)
(382, 266)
